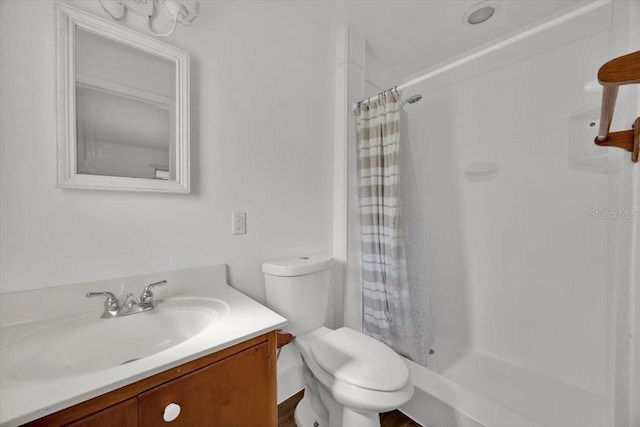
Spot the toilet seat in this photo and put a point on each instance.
(350, 395)
(347, 394)
(359, 360)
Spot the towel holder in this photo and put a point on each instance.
(622, 70)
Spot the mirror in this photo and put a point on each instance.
(123, 116)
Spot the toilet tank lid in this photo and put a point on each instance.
(297, 266)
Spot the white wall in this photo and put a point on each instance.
(350, 62)
(261, 128)
(378, 75)
(624, 239)
(518, 267)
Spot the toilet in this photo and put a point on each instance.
(349, 377)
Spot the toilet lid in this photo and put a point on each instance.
(357, 359)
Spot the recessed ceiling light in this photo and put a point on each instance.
(480, 12)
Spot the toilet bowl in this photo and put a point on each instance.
(349, 377)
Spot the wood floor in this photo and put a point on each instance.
(388, 419)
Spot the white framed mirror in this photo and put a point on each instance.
(123, 107)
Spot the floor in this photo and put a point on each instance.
(388, 419)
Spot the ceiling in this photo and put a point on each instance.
(411, 36)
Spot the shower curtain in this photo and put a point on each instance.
(397, 310)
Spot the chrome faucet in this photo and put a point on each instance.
(111, 304)
(146, 299)
(131, 305)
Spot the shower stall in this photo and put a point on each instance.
(529, 229)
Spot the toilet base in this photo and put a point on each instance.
(305, 417)
(342, 416)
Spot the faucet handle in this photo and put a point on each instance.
(111, 304)
(146, 299)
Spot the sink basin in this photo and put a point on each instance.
(86, 343)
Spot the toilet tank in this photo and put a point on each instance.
(298, 289)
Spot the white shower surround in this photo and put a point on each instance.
(527, 309)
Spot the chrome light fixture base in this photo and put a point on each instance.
(182, 12)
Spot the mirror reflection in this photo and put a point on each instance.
(125, 110)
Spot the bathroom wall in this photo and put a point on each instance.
(262, 85)
(624, 239)
(349, 63)
(378, 75)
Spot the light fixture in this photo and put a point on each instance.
(480, 12)
(177, 11)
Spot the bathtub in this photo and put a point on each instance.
(465, 388)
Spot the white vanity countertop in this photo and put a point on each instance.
(24, 401)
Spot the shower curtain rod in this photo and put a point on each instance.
(504, 43)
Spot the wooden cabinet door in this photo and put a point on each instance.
(238, 391)
(123, 414)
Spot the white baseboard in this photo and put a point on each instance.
(290, 382)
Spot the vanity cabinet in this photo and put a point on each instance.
(227, 393)
(234, 387)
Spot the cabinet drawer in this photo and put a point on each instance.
(121, 415)
(235, 392)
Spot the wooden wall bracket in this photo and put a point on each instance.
(283, 338)
(626, 139)
(620, 71)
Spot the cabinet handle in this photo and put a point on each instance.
(171, 412)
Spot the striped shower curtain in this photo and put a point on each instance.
(395, 309)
